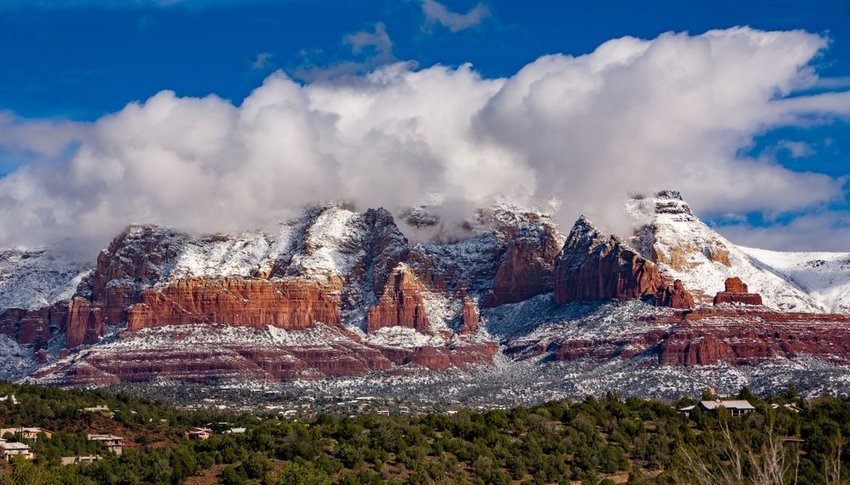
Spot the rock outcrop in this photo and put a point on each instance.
(528, 267)
(34, 327)
(752, 335)
(290, 303)
(469, 317)
(674, 296)
(402, 303)
(737, 292)
(742, 335)
(595, 266)
(85, 323)
(136, 259)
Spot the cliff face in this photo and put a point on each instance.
(741, 335)
(291, 304)
(528, 267)
(674, 296)
(595, 266)
(750, 336)
(136, 259)
(34, 327)
(402, 303)
(85, 323)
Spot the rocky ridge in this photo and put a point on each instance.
(337, 292)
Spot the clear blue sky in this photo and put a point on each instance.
(81, 59)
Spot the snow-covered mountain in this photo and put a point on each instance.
(685, 248)
(34, 278)
(339, 293)
(824, 276)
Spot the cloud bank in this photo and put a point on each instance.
(575, 133)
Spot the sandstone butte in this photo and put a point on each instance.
(737, 292)
(401, 304)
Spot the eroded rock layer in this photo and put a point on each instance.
(705, 336)
(291, 304)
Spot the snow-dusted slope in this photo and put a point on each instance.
(687, 249)
(31, 279)
(824, 276)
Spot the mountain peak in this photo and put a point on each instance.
(669, 194)
(668, 203)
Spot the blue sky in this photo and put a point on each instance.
(81, 60)
(78, 60)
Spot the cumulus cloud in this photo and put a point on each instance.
(436, 12)
(575, 133)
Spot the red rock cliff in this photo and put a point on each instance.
(527, 268)
(85, 323)
(674, 296)
(291, 304)
(401, 304)
(595, 266)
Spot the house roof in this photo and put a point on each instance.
(730, 404)
(104, 437)
(14, 446)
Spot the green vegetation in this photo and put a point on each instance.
(592, 441)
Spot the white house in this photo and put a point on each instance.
(736, 407)
(10, 450)
(114, 444)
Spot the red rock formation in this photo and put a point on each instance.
(84, 323)
(674, 296)
(708, 335)
(134, 260)
(34, 327)
(528, 267)
(401, 304)
(737, 292)
(469, 317)
(291, 304)
(735, 285)
(593, 266)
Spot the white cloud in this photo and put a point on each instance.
(823, 231)
(435, 12)
(797, 149)
(634, 115)
(262, 61)
(378, 40)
